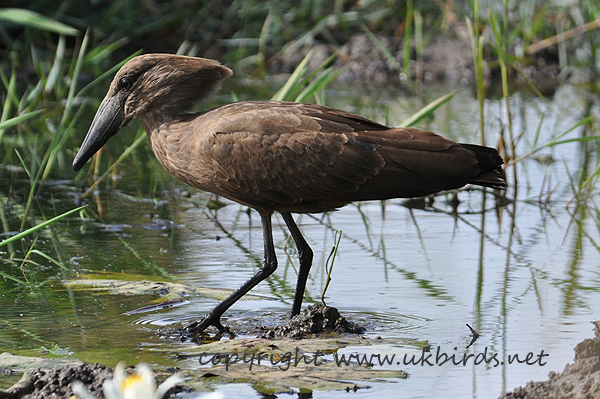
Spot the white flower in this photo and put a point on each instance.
(139, 384)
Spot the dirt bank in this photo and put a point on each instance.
(447, 59)
(581, 379)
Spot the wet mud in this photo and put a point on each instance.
(40, 383)
(315, 319)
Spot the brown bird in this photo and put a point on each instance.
(277, 156)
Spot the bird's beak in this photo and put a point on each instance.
(106, 124)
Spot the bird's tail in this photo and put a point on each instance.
(490, 163)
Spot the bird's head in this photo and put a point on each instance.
(161, 84)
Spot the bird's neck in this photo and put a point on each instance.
(166, 135)
(152, 121)
(156, 119)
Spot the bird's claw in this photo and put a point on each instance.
(197, 328)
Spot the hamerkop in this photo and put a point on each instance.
(277, 156)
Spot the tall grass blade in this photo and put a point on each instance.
(10, 97)
(557, 140)
(59, 139)
(317, 84)
(55, 71)
(407, 38)
(419, 46)
(9, 277)
(477, 50)
(428, 109)
(40, 226)
(500, 32)
(299, 87)
(35, 20)
(381, 47)
(17, 120)
(31, 191)
(551, 41)
(294, 78)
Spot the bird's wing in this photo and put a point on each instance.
(272, 155)
(264, 154)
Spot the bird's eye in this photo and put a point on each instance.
(125, 83)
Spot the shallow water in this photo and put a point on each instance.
(524, 274)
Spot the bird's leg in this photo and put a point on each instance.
(269, 265)
(306, 257)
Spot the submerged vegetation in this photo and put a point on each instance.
(54, 68)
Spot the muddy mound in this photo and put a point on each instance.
(314, 319)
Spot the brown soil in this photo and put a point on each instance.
(447, 59)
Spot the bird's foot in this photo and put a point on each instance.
(197, 328)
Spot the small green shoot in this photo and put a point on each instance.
(329, 262)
